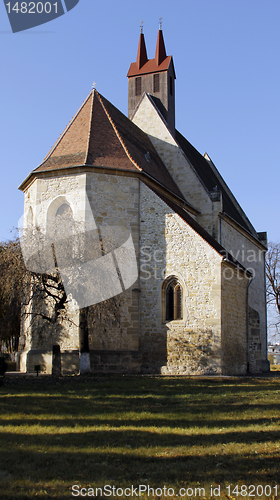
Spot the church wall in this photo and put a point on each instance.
(39, 335)
(114, 201)
(169, 247)
(147, 118)
(234, 321)
(251, 257)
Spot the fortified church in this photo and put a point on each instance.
(197, 304)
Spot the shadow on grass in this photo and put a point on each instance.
(177, 422)
(133, 439)
(128, 456)
(94, 467)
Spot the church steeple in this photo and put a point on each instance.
(160, 48)
(155, 77)
(142, 57)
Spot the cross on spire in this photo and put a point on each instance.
(93, 86)
(160, 22)
(141, 26)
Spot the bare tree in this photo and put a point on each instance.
(273, 281)
(18, 287)
(12, 272)
(47, 269)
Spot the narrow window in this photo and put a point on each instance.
(156, 82)
(169, 303)
(29, 217)
(173, 301)
(171, 85)
(138, 85)
(63, 222)
(177, 302)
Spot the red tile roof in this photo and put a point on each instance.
(100, 135)
(212, 181)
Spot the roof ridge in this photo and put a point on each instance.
(189, 161)
(90, 125)
(117, 133)
(64, 132)
(229, 193)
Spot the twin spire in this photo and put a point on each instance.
(142, 57)
(160, 55)
(155, 77)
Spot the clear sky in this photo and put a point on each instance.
(226, 56)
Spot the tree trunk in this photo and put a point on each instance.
(83, 341)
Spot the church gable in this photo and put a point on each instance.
(199, 180)
(148, 118)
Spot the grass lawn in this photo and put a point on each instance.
(159, 432)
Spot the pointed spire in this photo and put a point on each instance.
(142, 57)
(160, 48)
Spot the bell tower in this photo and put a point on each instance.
(155, 77)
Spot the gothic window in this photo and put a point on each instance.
(64, 209)
(29, 217)
(173, 301)
(63, 221)
(156, 82)
(138, 85)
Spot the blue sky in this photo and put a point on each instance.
(226, 56)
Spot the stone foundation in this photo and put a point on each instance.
(115, 361)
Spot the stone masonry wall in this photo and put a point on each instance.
(169, 247)
(234, 321)
(255, 355)
(41, 197)
(251, 257)
(114, 202)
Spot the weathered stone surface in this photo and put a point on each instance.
(171, 248)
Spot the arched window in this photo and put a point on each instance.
(173, 301)
(64, 209)
(29, 217)
(63, 222)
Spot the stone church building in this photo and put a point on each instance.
(197, 304)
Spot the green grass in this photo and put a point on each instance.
(176, 432)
